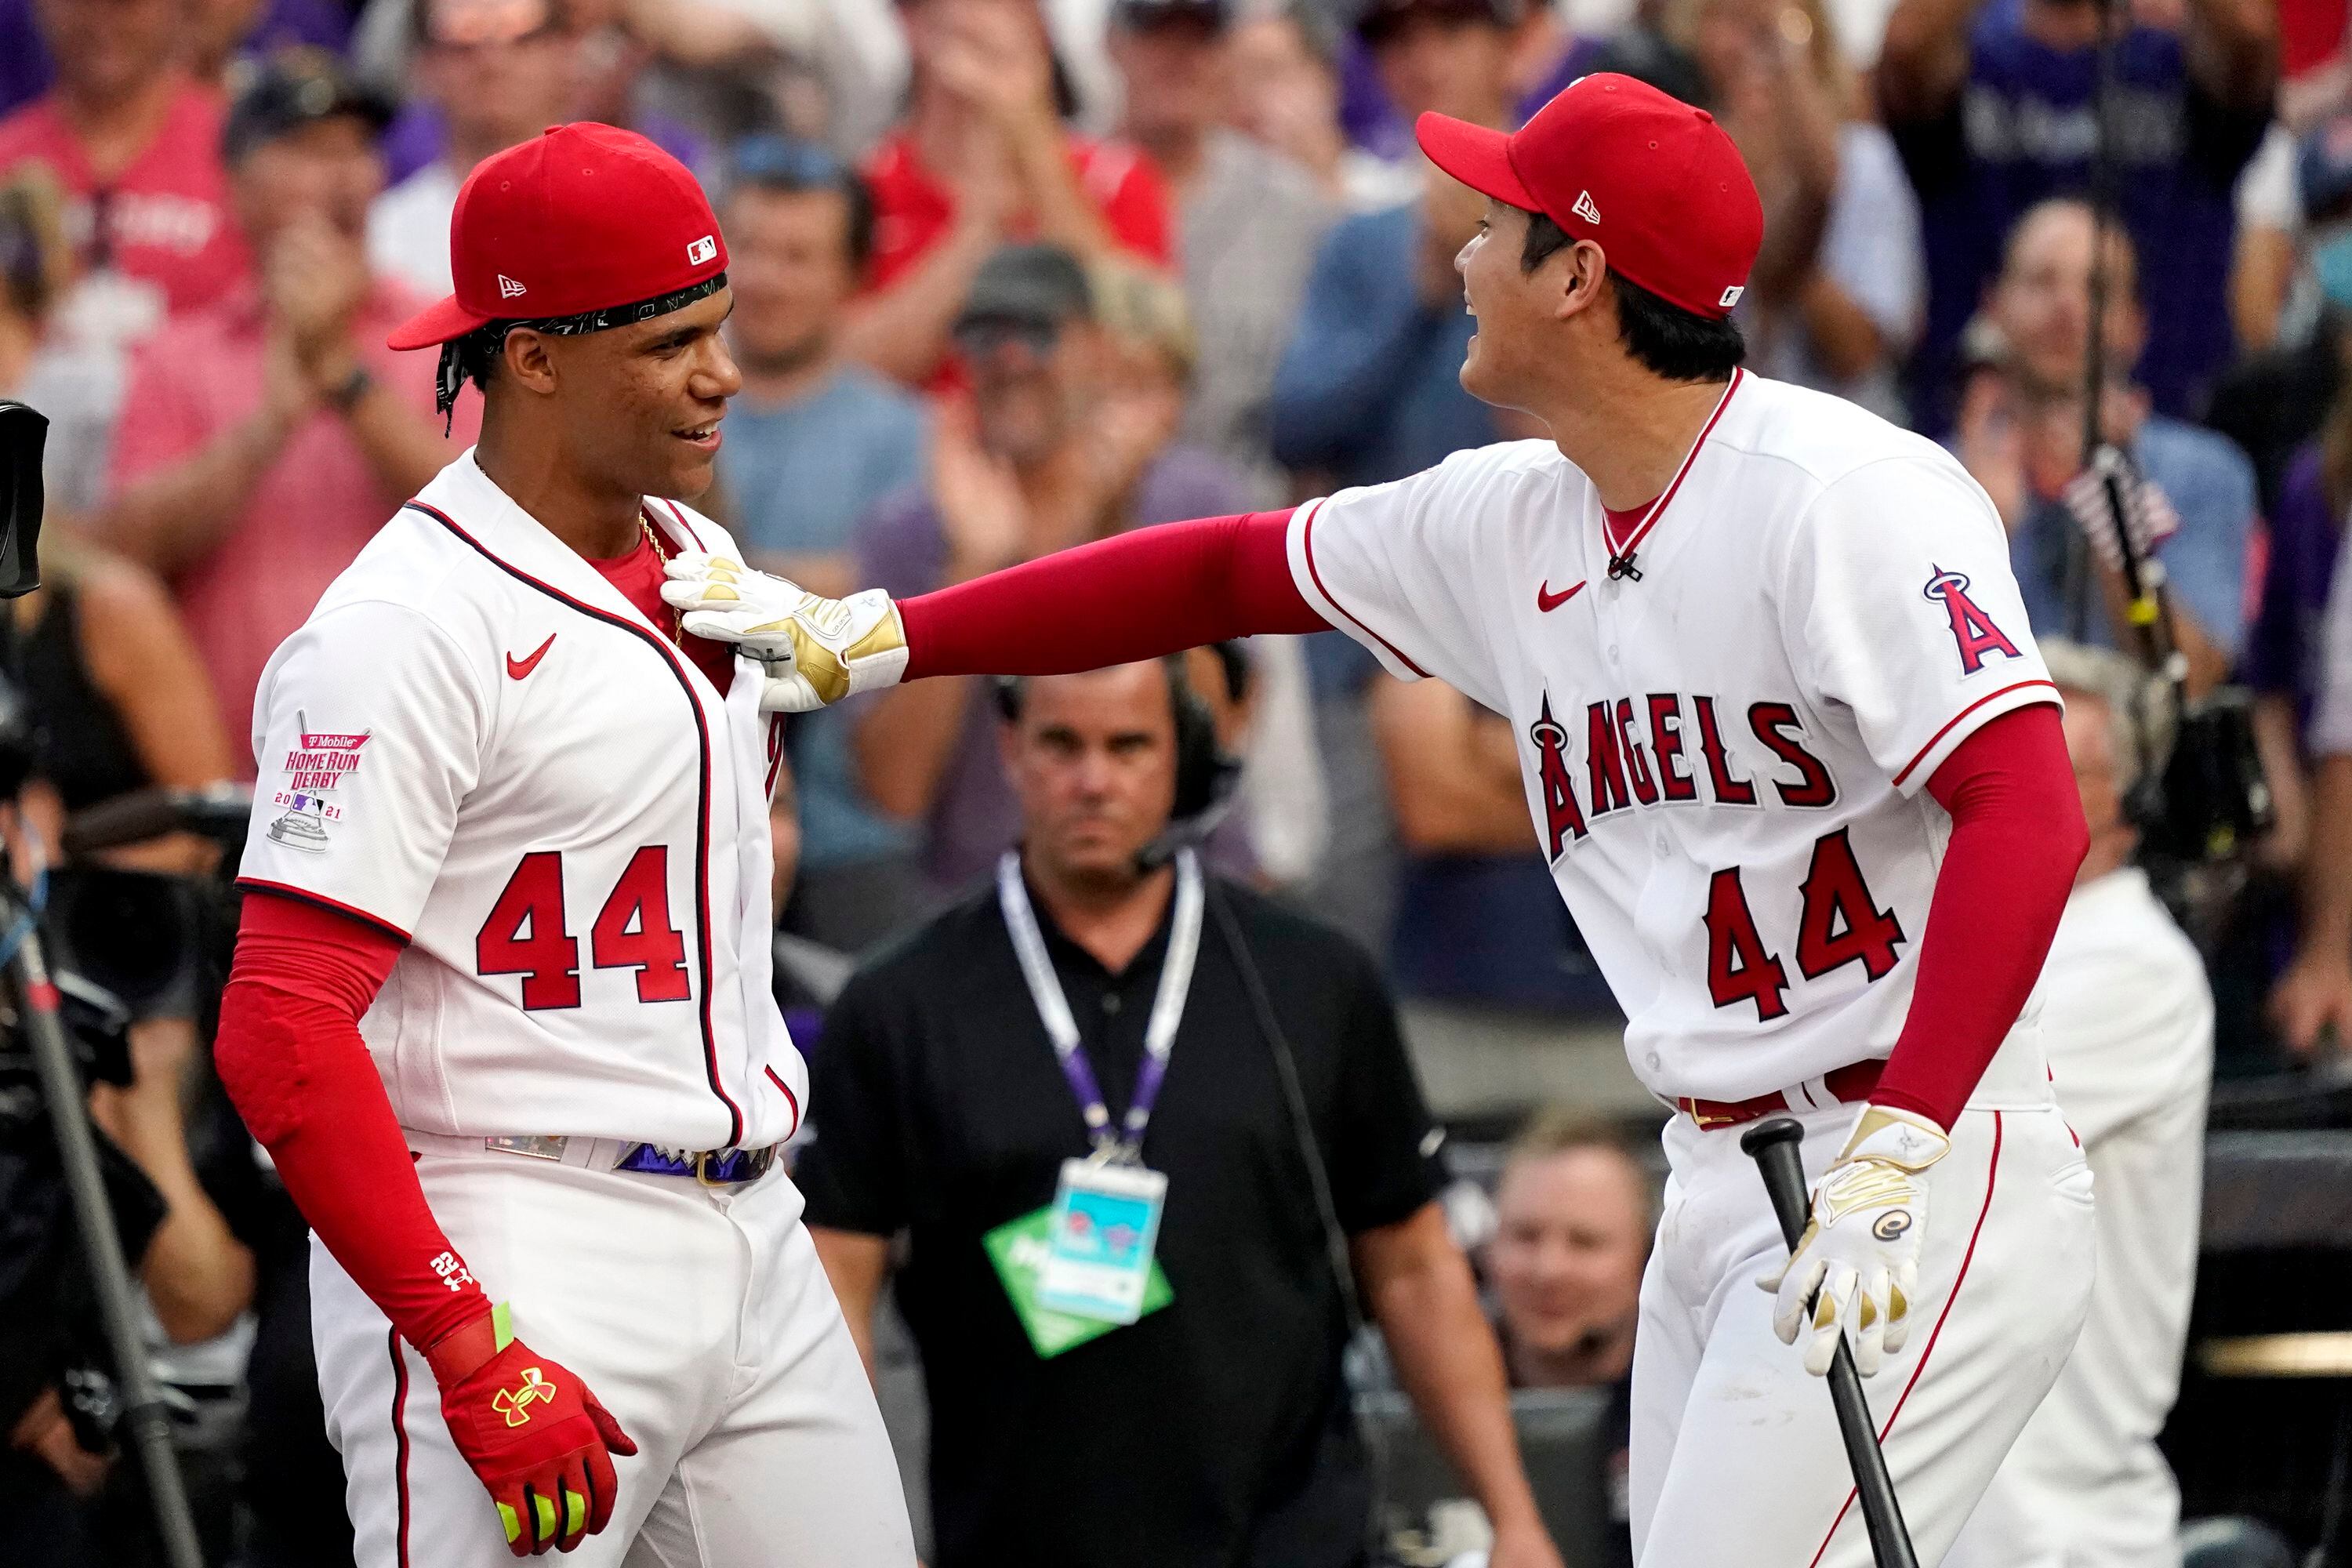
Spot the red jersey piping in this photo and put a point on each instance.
(1658, 507)
(674, 659)
(1935, 739)
(1306, 537)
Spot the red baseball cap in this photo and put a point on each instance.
(586, 217)
(1653, 181)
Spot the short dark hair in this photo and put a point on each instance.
(788, 166)
(1664, 338)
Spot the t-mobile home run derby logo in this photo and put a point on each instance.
(312, 771)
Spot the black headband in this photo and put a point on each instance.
(484, 340)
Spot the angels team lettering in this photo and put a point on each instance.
(1665, 749)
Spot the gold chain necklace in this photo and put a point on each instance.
(676, 616)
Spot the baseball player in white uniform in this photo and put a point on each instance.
(501, 1007)
(2128, 1017)
(1792, 756)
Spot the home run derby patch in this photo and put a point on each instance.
(313, 769)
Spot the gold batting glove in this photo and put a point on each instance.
(816, 650)
(1855, 1270)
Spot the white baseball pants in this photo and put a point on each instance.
(701, 1320)
(1735, 1455)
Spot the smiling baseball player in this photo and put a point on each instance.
(501, 1008)
(1794, 758)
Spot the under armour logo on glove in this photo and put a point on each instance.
(550, 1470)
(514, 1403)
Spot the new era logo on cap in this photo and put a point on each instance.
(701, 250)
(1584, 208)
(507, 287)
(1731, 295)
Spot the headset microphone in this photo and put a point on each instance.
(1206, 773)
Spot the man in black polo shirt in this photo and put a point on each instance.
(1215, 1428)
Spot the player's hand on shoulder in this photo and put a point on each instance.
(817, 651)
(534, 1434)
(1856, 1267)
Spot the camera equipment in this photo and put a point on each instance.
(162, 943)
(39, 1009)
(2206, 802)
(23, 433)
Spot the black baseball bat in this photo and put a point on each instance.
(1773, 1146)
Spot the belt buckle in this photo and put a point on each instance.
(1689, 1107)
(753, 1164)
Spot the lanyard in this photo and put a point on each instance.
(1053, 1008)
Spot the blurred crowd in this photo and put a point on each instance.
(1012, 275)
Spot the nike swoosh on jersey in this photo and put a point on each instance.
(518, 667)
(1546, 601)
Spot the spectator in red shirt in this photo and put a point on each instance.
(983, 157)
(135, 143)
(263, 440)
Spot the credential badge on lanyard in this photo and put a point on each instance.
(1106, 1206)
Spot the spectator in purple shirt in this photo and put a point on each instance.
(1991, 102)
(2286, 651)
(2282, 661)
(1054, 449)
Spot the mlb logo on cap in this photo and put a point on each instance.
(701, 250)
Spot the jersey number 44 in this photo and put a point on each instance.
(527, 932)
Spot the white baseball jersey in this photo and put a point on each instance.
(1723, 753)
(477, 744)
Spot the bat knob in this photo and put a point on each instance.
(1766, 1134)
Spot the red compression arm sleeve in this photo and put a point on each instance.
(2017, 838)
(290, 1056)
(1151, 592)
